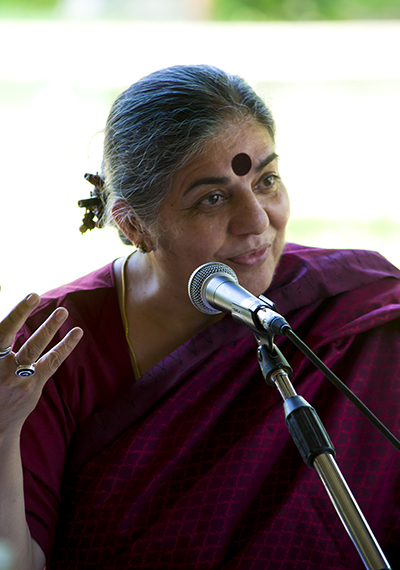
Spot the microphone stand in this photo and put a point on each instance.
(318, 452)
(214, 288)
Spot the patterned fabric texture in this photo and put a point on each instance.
(195, 469)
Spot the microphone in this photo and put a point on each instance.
(214, 288)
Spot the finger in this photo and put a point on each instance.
(19, 395)
(35, 345)
(12, 323)
(51, 361)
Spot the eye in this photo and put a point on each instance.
(211, 200)
(268, 182)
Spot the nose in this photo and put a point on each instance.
(248, 216)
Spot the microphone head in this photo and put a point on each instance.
(198, 280)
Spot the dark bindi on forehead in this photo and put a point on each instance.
(241, 164)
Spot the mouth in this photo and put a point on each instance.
(252, 257)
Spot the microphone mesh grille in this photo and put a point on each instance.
(197, 280)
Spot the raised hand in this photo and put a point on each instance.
(23, 374)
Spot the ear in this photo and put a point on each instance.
(130, 225)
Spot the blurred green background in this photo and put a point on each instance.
(229, 10)
(328, 69)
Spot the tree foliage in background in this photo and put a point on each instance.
(27, 8)
(245, 10)
(262, 10)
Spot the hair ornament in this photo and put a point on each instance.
(94, 205)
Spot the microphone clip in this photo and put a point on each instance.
(271, 359)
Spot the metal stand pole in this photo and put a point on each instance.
(349, 512)
(317, 451)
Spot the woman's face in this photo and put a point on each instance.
(226, 208)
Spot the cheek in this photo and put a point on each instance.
(279, 215)
(191, 239)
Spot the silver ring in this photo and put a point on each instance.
(4, 352)
(25, 370)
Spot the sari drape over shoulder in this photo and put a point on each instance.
(192, 466)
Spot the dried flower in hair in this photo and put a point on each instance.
(94, 205)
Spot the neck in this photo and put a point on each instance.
(158, 317)
(157, 298)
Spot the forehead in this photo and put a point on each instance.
(234, 151)
(239, 138)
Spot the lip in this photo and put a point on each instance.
(252, 257)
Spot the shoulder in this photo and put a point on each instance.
(358, 265)
(92, 304)
(307, 274)
(83, 297)
(95, 283)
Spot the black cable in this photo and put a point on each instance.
(287, 331)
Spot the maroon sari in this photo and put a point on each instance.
(192, 467)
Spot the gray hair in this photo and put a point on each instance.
(160, 122)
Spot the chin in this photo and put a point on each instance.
(256, 284)
(258, 277)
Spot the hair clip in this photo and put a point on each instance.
(94, 205)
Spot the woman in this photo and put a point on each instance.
(157, 444)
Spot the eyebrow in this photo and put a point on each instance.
(210, 180)
(261, 165)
